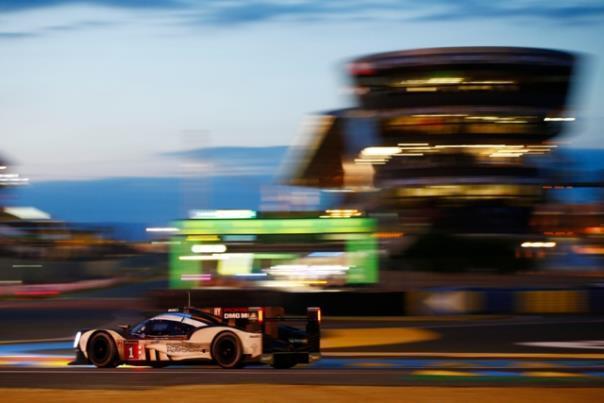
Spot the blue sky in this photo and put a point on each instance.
(107, 88)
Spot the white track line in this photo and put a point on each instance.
(35, 340)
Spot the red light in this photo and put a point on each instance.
(361, 69)
(314, 313)
(36, 293)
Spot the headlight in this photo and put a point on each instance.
(76, 341)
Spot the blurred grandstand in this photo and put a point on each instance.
(454, 148)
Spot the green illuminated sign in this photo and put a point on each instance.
(277, 226)
(356, 233)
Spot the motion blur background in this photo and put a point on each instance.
(121, 118)
(375, 158)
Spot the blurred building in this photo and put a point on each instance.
(28, 233)
(444, 143)
(8, 178)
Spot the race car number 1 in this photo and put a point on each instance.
(131, 350)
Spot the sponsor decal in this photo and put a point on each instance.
(174, 348)
(236, 315)
(241, 313)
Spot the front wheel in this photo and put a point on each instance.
(227, 350)
(102, 352)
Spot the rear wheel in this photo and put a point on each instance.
(227, 350)
(102, 351)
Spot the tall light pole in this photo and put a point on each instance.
(194, 192)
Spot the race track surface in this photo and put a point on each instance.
(504, 350)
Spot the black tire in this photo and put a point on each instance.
(227, 350)
(102, 352)
(283, 361)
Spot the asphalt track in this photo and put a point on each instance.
(132, 378)
(431, 351)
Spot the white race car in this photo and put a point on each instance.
(230, 337)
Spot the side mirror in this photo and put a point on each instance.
(124, 327)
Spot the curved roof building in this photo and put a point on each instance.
(464, 115)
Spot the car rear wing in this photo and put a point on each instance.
(313, 328)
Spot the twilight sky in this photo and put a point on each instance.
(105, 88)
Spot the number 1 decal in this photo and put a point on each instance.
(131, 350)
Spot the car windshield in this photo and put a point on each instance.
(140, 328)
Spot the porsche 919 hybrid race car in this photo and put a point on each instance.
(230, 337)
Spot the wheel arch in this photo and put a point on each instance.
(117, 339)
(250, 342)
(236, 363)
(221, 332)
